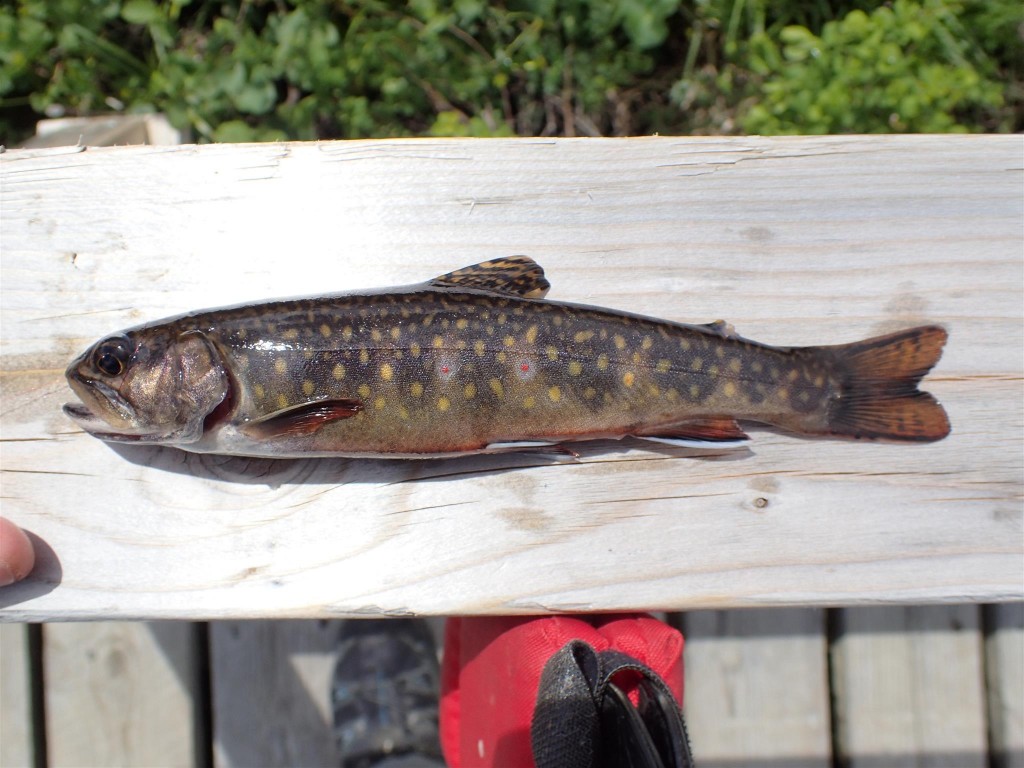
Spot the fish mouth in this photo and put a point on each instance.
(91, 417)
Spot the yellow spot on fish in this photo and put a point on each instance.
(502, 357)
(819, 380)
(589, 393)
(685, 344)
(379, 403)
(620, 343)
(375, 335)
(308, 387)
(713, 370)
(671, 395)
(414, 349)
(259, 391)
(364, 391)
(697, 364)
(290, 334)
(735, 365)
(462, 323)
(387, 372)
(557, 320)
(502, 318)
(552, 354)
(416, 389)
(653, 391)
(663, 366)
(427, 320)
(438, 342)
(636, 358)
(756, 366)
(782, 393)
(531, 334)
(469, 390)
(460, 344)
(694, 391)
(396, 332)
(719, 352)
(338, 372)
(306, 353)
(509, 341)
(403, 412)
(280, 365)
(646, 343)
(282, 401)
(554, 394)
(575, 367)
(602, 362)
(628, 378)
(529, 401)
(346, 332)
(479, 348)
(496, 387)
(364, 356)
(443, 403)
(804, 396)
(241, 333)
(325, 331)
(793, 375)
(729, 389)
(582, 336)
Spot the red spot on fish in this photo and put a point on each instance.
(524, 367)
(445, 369)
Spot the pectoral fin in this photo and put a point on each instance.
(705, 433)
(301, 420)
(512, 276)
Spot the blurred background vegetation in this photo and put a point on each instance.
(257, 70)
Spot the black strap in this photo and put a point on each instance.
(583, 719)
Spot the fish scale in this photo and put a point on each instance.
(476, 360)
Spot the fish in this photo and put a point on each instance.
(479, 361)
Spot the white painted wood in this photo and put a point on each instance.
(908, 687)
(271, 693)
(757, 688)
(795, 240)
(1004, 672)
(16, 750)
(120, 693)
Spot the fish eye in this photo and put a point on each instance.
(111, 356)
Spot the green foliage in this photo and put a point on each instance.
(909, 67)
(257, 70)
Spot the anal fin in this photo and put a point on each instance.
(701, 433)
(301, 420)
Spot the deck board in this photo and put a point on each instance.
(909, 687)
(799, 240)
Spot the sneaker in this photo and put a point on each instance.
(385, 691)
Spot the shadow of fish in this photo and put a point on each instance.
(477, 361)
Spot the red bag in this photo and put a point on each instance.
(492, 668)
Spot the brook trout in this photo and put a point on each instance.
(478, 361)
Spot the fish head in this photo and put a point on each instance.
(151, 385)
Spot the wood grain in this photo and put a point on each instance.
(757, 688)
(908, 687)
(796, 241)
(1004, 675)
(120, 693)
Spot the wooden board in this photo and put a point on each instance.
(271, 692)
(121, 693)
(796, 241)
(1004, 675)
(16, 748)
(908, 687)
(757, 691)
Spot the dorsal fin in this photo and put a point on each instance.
(512, 276)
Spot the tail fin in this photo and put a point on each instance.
(879, 397)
